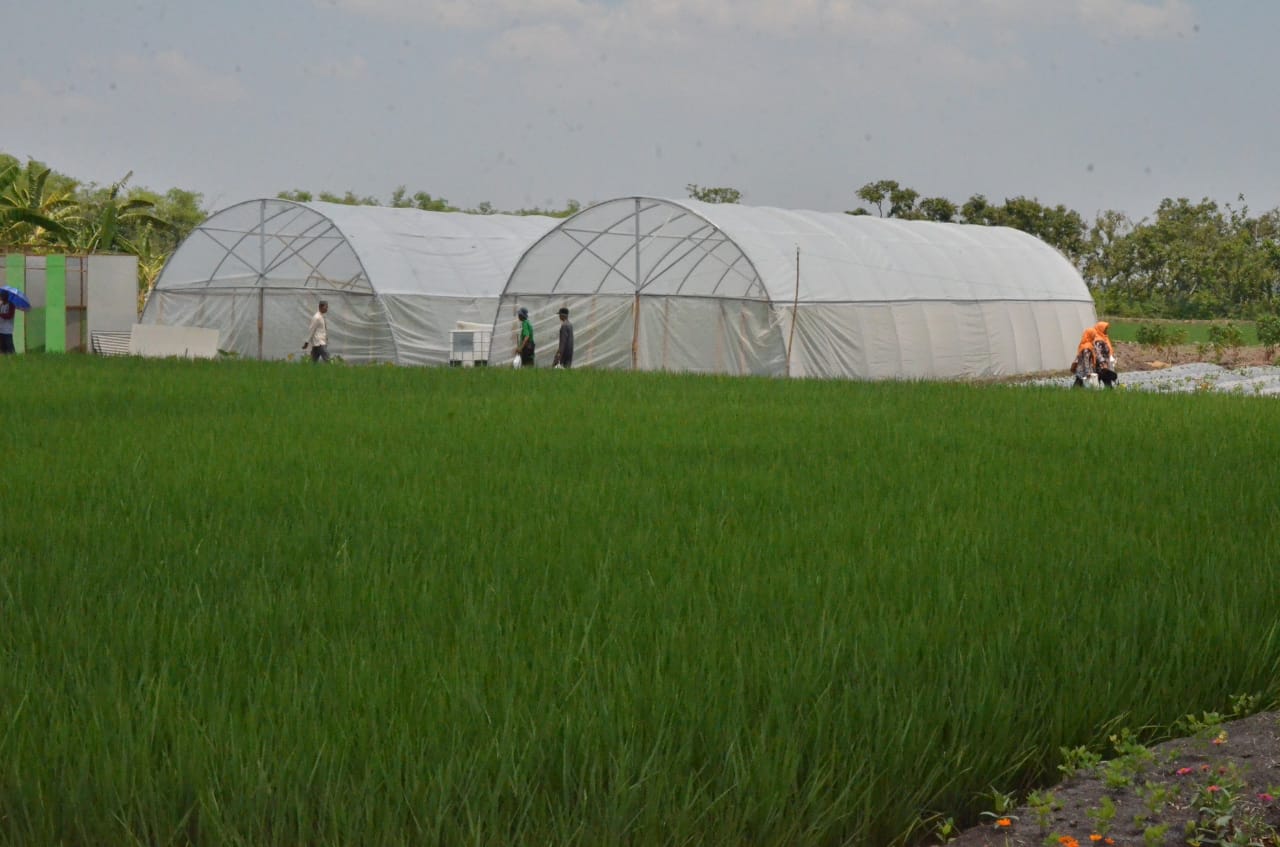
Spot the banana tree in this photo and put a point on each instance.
(34, 213)
(151, 259)
(111, 221)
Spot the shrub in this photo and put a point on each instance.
(1161, 336)
(1155, 335)
(1269, 333)
(1224, 337)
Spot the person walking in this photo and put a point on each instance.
(7, 312)
(525, 346)
(564, 353)
(318, 335)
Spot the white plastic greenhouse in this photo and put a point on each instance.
(679, 285)
(397, 280)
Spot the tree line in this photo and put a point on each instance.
(1187, 260)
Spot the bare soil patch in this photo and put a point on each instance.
(1234, 766)
(1144, 357)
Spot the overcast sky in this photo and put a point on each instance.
(1096, 104)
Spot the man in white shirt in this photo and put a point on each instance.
(318, 335)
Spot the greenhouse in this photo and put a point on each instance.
(398, 281)
(680, 285)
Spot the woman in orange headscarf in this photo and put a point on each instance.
(1086, 358)
(1106, 354)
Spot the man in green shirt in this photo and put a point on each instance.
(524, 348)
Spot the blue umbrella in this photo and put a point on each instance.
(16, 297)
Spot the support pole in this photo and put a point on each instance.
(635, 308)
(795, 308)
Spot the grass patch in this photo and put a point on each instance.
(261, 603)
(1197, 332)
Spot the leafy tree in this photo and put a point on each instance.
(571, 208)
(1179, 263)
(348, 198)
(400, 199)
(937, 209)
(424, 201)
(713, 195)
(296, 195)
(182, 210)
(1102, 263)
(1058, 226)
(978, 210)
(901, 201)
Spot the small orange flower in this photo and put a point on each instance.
(1004, 822)
(1108, 841)
(1068, 841)
(1095, 837)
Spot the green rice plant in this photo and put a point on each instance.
(263, 603)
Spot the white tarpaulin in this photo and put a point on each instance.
(680, 285)
(397, 280)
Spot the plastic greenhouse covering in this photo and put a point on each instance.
(680, 285)
(397, 280)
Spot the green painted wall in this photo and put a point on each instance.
(55, 315)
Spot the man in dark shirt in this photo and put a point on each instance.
(564, 353)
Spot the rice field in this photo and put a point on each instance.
(253, 603)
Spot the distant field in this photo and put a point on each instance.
(1126, 329)
(272, 604)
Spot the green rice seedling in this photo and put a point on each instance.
(262, 603)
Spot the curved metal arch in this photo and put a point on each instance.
(586, 248)
(288, 251)
(755, 272)
(647, 204)
(708, 254)
(262, 222)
